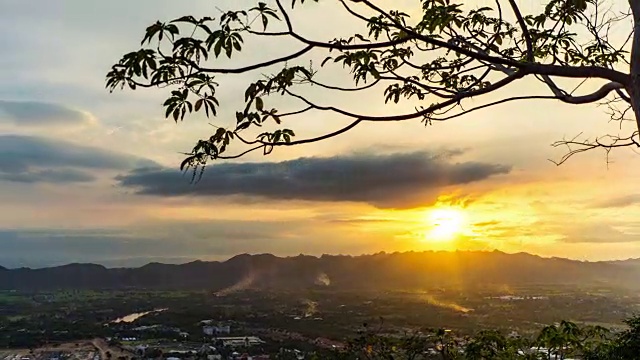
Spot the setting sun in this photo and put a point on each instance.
(445, 224)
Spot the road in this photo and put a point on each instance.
(102, 346)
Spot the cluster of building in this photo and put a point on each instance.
(222, 349)
(14, 357)
(52, 355)
(221, 343)
(215, 330)
(517, 298)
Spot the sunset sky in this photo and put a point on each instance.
(88, 176)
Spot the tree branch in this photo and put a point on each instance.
(607, 142)
(252, 67)
(498, 102)
(319, 138)
(531, 68)
(422, 113)
(584, 99)
(330, 87)
(435, 58)
(525, 30)
(266, 144)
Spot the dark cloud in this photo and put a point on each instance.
(394, 180)
(618, 202)
(30, 159)
(33, 113)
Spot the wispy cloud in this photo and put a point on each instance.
(32, 159)
(486, 224)
(596, 233)
(38, 114)
(54, 176)
(618, 202)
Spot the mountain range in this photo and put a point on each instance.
(382, 271)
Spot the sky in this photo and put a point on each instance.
(89, 176)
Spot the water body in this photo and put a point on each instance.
(135, 316)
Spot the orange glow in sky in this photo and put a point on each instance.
(445, 224)
(84, 168)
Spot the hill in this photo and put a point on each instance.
(379, 271)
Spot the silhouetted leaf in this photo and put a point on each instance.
(199, 104)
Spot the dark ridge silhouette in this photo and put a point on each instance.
(628, 262)
(382, 271)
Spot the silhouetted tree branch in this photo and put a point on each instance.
(606, 142)
(449, 54)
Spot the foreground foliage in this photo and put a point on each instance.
(433, 60)
(565, 340)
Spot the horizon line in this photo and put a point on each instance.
(103, 263)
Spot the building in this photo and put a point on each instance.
(216, 330)
(241, 341)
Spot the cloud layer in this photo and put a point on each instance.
(597, 232)
(57, 247)
(32, 159)
(33, 113)
(166, 241)
(618, 202)
(395, 180)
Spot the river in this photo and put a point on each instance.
(135, 316)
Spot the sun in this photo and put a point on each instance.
(444, 224)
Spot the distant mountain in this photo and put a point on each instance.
(628, 262)
(380, 271)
